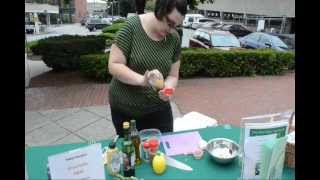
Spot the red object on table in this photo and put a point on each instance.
(154, 144)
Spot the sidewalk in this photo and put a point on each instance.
(78, 112)
(72, 125)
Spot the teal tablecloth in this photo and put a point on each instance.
(37, 158)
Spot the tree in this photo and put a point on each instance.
(126, 6)
(193, 3)
(150, 5)
(67, 3)
(140, 4)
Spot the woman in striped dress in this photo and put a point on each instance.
(146, 47)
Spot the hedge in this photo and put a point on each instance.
(210, 63)
(95, 66)
(108, 35)
(113, 28)
(119, 21)
(63, 52)
(30, 45)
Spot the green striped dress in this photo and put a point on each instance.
(142, 53)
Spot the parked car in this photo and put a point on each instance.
(200, 21)
(258, 40)
(288, 39)
(211, 25)
(97, 23)
(237, 29)
(190, 18)
(30, 27)
(209, 38)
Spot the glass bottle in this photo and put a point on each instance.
(113, 159)
(135, 140)
(128, 152)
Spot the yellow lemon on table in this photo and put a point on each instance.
(159, 164)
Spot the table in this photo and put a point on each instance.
(37, 157)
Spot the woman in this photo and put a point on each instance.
(147, 46)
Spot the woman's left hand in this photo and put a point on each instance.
(165, 94)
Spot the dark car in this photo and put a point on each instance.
(237, 29)
(30, 27)
(96, 23)
(259, 40)
(209, 25)
(201, 21)
(208, 38)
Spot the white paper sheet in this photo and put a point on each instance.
(82, 163)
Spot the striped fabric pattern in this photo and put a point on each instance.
(142, 53)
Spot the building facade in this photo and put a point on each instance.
(70, 11)
(95, 7)
(278, 14)
(81, 10)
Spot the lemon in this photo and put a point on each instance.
(159, 164)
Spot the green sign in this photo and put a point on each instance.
(280, 131)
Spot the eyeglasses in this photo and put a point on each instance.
(170, 23)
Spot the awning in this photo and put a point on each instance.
(41, 8)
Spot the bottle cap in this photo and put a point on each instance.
(133, 123)
(126, 125)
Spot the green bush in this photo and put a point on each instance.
(63, 52)
(108, 36)
(119, 21)
(30, 45)
(238, 62)
(210, 63)
(95, 66)
(113, 28)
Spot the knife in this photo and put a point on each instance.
(177, 164)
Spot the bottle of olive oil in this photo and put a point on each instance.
(128, 152)
(135, 138)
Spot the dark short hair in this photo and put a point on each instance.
(165, 7)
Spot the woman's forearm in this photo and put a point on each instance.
(125, 74)
(171, 81)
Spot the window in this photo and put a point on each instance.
(241, 28)
(254, 36)
(264, 39)
(196, 35)
(190, 19)
(206, 36)
(220, 40)
(277, 42)
(206, 20)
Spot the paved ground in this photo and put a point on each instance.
(71, 125)
(78, 112)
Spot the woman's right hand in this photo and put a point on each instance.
(152, 78)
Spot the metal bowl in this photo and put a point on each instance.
(223, 150)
